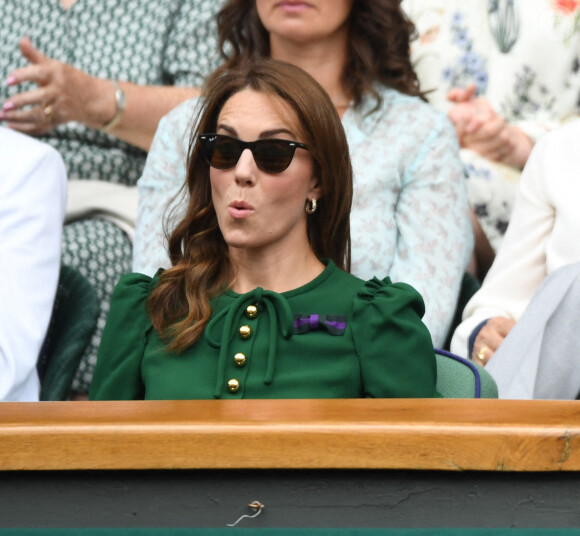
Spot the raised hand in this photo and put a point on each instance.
(62, 94)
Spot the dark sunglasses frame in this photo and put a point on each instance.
(270, 163)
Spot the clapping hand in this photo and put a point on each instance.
(482, 130)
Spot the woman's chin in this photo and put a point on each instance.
(237, 241)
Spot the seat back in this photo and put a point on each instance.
(74, 317)
(460, 378)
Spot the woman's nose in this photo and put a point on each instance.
(245, 171)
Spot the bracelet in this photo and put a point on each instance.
(120, 102)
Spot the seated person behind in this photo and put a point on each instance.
(257, 303)
(506, 72)
(32, 204)
(92, 79)
(522, 323)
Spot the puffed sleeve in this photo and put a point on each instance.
(394, 346)
(118, 372)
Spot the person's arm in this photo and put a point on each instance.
(435, 239)
(162, 179)
(145, 106)
(64, 94)
(394, 347)
(118, 371)
(32, 203)
(520, 264)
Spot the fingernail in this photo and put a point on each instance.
(11, 80)
(8, 105)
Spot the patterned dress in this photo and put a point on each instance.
(153, 42)
(522, 55)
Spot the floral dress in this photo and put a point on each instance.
(523, 57)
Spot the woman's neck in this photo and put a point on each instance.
(324, 61)
(273, 271)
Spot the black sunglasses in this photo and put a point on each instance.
(270, 155)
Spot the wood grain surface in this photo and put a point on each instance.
(445, 434)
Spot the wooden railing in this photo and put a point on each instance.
(486, 435)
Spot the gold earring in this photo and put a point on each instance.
(311, 209)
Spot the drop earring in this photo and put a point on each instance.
(311, 208)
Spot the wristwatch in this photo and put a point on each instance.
(120, 101)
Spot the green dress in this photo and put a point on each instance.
(335, 337)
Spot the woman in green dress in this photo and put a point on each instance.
(258, 302)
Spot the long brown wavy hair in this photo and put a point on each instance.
(379, 45)
(179, 306)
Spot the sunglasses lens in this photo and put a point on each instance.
(223, 152)
(226, 153)
(273, 156)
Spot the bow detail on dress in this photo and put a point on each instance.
(280, 319)
(334, 324)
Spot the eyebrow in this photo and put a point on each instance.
(263, 135)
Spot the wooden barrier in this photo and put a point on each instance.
(483, 435)
(313, 463)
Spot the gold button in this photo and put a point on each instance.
(234, 385)
(240, 359)
(251, 311)
(245, 332)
